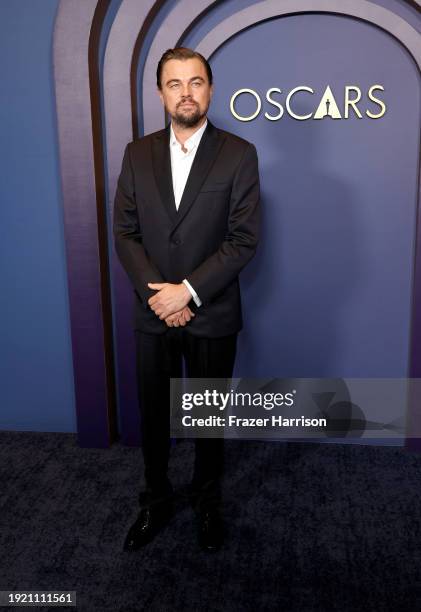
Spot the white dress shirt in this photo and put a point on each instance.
(181, 163)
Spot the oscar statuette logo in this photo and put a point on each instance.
(338, 105)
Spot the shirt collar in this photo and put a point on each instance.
(191, 142)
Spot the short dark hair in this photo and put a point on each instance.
(181, 53)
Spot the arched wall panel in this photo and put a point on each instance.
(87, 274)
(167, 24)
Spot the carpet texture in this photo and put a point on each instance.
(311, 527)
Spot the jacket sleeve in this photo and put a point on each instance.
(239, 245)
(128, 235)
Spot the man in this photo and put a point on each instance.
(185, 224)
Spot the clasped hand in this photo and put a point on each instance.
(170, 303)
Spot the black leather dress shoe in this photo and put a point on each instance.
(151, 520)
(210, 531)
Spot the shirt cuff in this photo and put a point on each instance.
(194, 295)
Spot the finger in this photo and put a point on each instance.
(156, 286)
(155, 299)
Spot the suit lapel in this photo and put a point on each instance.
(162, 170)
(206, 153)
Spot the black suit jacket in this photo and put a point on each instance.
(208, 240)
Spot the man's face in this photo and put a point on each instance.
(185, 91)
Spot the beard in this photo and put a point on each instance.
(190, 118)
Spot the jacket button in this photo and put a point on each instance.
(176, 241)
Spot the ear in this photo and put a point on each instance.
(161, 97)
(211, 91)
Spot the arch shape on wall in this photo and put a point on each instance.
(71, 42)
(120, 47)
(409, 38)
(269, 9)
(120, 98)
(76, 38)
(372, 13)
(127, 35)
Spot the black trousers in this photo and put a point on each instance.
(158, 359)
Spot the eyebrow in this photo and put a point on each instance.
(195, 78)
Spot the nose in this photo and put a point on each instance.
(186, 90)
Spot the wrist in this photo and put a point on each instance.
(185, 293)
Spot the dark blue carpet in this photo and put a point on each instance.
(311, 527)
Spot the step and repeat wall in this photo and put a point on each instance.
(329, 92)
